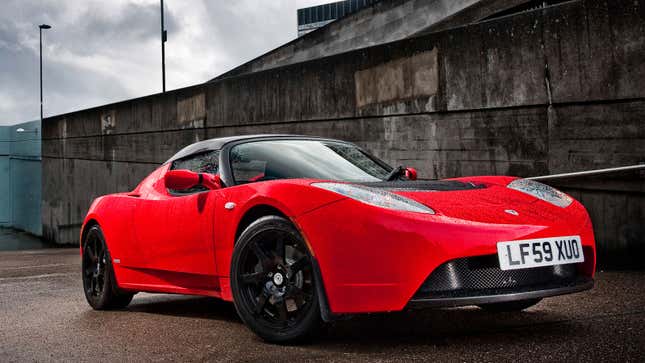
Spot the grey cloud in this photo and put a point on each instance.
(104, 51)
(92, 31)
(135, 23)
(254, 33)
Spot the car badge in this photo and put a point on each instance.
(512, 212)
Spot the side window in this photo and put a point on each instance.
(201, 163)
(207, 162)
(247, 164)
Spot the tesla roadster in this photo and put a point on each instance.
(299, 230)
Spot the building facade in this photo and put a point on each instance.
(312, 18)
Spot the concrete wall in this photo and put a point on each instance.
(549, 91)
(383, 22)
(20, 177)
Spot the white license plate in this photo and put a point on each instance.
(540, 252)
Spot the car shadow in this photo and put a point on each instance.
(383, 332)
(440, 327)
(186, 306)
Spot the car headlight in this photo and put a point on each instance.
(541, 191)
(376, 197)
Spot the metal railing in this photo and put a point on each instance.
(589, 172)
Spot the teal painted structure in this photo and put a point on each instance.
(21, 177)
(5, 177)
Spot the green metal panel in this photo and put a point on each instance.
(20, 177)
(5, 177)
(5, 191)
(26, 183)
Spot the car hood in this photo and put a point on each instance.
(486, 203)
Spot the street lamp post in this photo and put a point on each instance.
(164, 37)
(41, 27)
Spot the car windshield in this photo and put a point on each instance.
(291, 159)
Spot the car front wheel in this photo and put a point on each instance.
(273, 282)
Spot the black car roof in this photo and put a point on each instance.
(218, 143)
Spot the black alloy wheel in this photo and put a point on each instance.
(99, 283)
(273, 281)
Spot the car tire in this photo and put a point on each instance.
(510, 306)
(99, 284)
(273, 282)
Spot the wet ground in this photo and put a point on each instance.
(11, 240)
(44, 317)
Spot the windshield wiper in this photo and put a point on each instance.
(396, 173)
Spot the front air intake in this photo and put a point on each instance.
(481, 275)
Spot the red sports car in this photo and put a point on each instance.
(300, 230)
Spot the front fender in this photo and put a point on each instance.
(113, 213)
(292, 198)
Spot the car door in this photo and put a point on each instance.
(176, 229)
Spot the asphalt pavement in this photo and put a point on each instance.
(44, 317)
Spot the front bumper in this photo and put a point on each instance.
(479, 280)
(376, 260)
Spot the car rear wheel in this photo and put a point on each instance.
(273, 282)
(99, 283)
(510, 306)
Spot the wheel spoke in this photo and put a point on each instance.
(262, 301)
(88, 271)
(279, 250)
(265, 260)
(95, 250)
(297, 295)
(254, 278)
(90, 252)
(298, 265)
(99, 250)
(282, 310)
(101, 261)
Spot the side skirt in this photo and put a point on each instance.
(149, 280)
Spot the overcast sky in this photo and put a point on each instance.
(102, 51)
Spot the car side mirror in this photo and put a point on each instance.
(411, 173)
(181, 179)
(186, 179)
